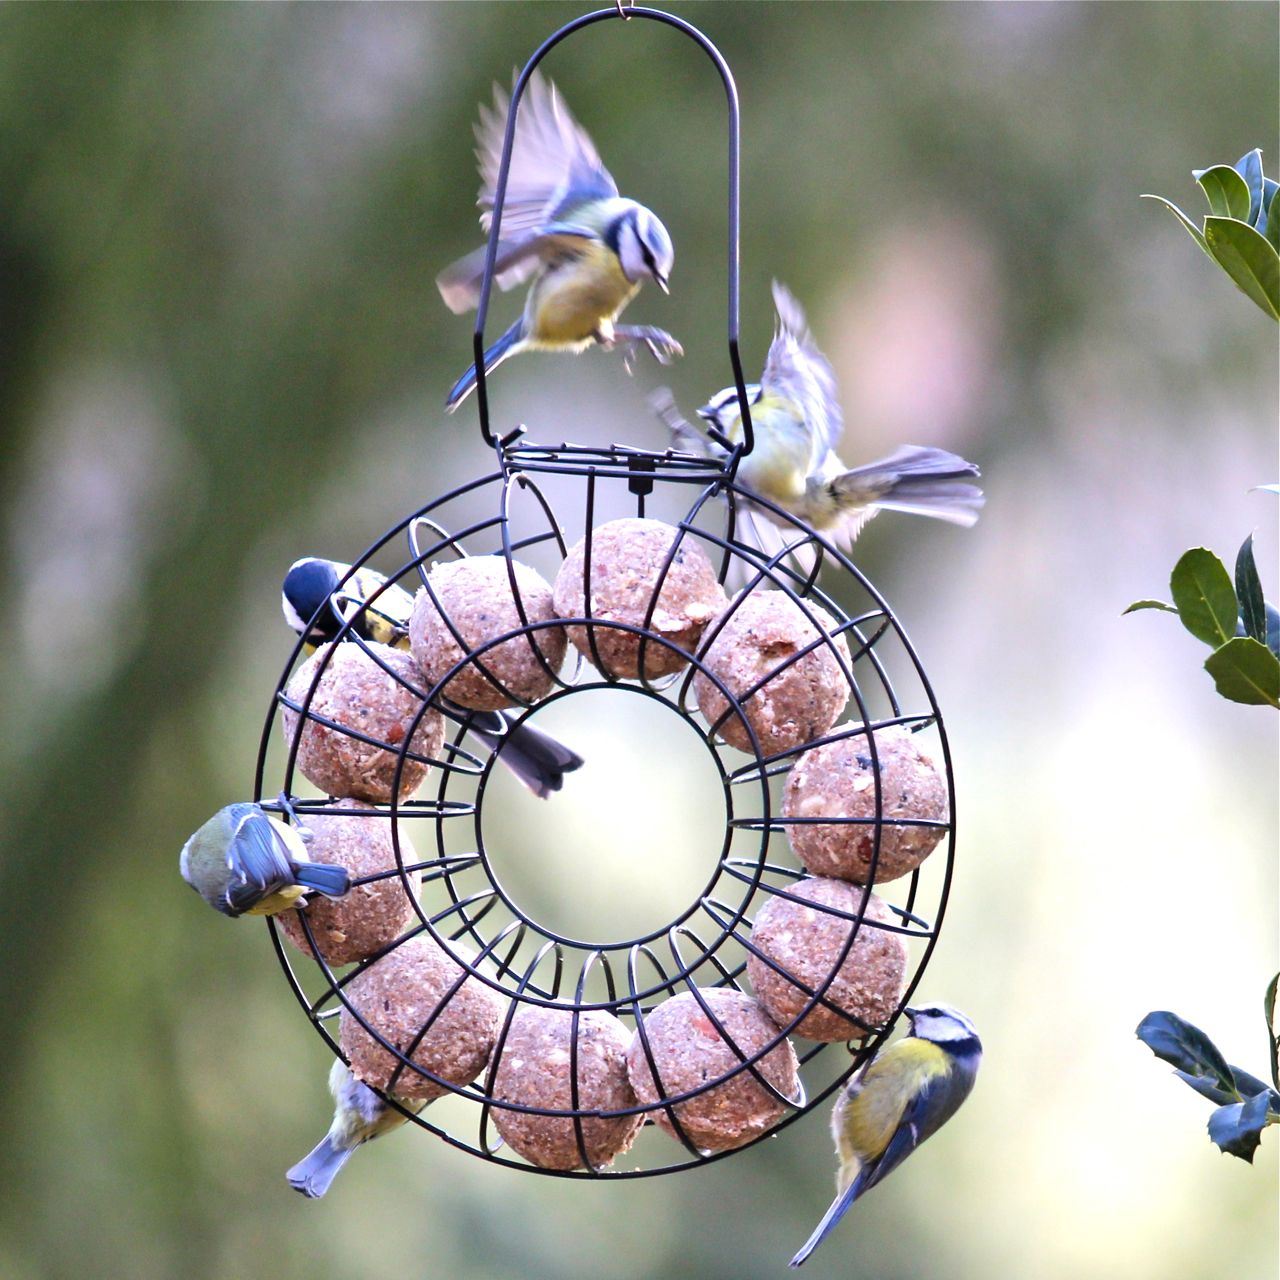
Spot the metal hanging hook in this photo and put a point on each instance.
(625, 10)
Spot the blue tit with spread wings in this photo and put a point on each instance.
(586, 248)
(796, 422)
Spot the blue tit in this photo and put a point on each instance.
(587, 248)
(242, 861)
(359, 1116)
(316, 596)
(900, 1098)
(795, 417)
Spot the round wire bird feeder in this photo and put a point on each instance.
(537, 502)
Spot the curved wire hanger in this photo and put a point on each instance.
(626, 12)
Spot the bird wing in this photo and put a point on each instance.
(256, 861)
(797, 370)
(554, 164)
(921, 1110)
(459, 283)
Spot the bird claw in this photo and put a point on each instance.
(661, 345)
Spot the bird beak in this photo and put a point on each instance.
(911, 1013)
(705, 413)
(661, 282)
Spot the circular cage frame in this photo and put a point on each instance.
(695, 964)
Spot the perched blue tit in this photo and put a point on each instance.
(900, 1098)
(359, 1116)
(795, 417)
(243, 861)
(587, 248)
(318, 594)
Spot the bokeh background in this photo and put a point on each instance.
(221, 347)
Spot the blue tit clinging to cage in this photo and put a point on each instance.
(243, 861)
(318, 595)
(359, 1116)
(901, 1097)
(796, 420)
(587, 248)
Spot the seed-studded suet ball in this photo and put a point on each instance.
(397, 995)
(837, 780)
(354, 836)
(357, 692)
(539, 1059)
(689, 1051)
(806, 943)
(475, 599)
(753, 645)
(631, 561)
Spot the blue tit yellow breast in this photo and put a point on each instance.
(888, 1086)
(579, 294)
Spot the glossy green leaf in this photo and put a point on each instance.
(1267, 224)
(1149, 604)
(1194, 1055)
(1249, 167)
(1227, 191)
(1196, 234)
(1253, 609)
(1248, 258)
(1237, 1127)
(1246, 671)
(1269, 1008)
(1204, 596)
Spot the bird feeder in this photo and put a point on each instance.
(607, 568)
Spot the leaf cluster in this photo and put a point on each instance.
(1232, 618)
(1241, 233)
(1245, 1104)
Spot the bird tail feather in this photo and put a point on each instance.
(333, 882)
(839, 1207)
(919, 481)
(313, 1174)
(495, 355)
(536, 758)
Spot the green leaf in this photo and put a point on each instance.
(1227, 191)
(1249, 167)
(1253, 609)
(1249, 259)
(1246, 671)
(1196, 234)
(1194, 1055)
(1269, 1008)
(1205, 598)
(1237, 1128)
(1149, 604)
(1247, 1085)
(1266, 224)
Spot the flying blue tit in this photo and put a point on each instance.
(587, 248)
(900, 1098)
(359, 1116)
(795, 417)
(243, 861)
(317, 594)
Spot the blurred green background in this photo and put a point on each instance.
(221, 347)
